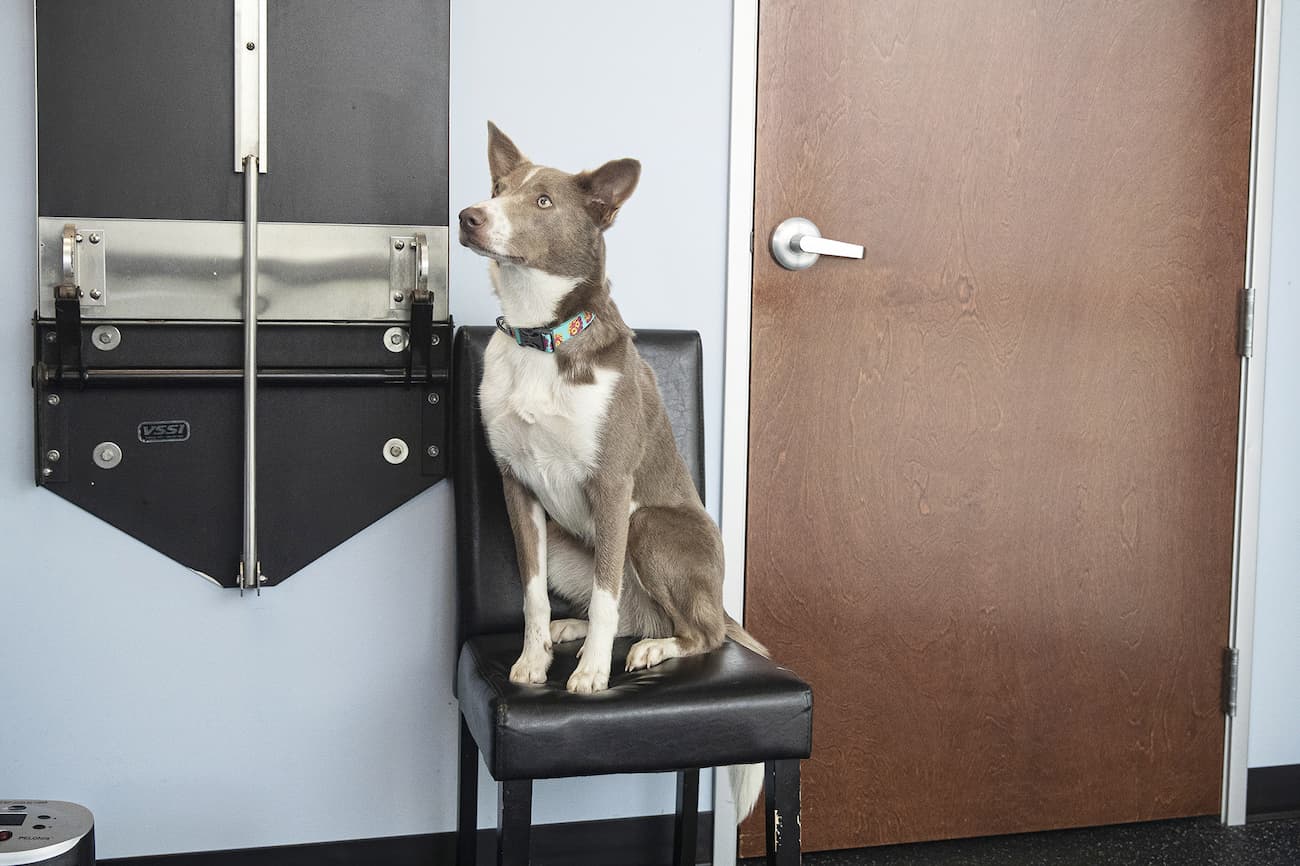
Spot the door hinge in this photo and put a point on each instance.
(1246, 323)
(1230, 667)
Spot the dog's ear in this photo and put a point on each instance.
(608, 187)
(503, 156)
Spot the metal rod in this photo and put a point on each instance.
(229, 375)
(250, 571)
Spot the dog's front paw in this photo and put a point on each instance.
(531, 667)
(588, 681)
(565, 630)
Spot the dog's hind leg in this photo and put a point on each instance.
(570, 571)
(677, 555)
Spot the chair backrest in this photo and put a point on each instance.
(490, 598)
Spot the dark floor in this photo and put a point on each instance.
(1188, 842)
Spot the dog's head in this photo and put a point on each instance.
(544, 219)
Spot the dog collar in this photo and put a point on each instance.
(546, 339)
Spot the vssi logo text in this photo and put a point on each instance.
(163, 431)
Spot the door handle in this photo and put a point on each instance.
(797, 244)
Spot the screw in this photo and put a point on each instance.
(433, 399)
(78, 237)
(96, 294)
(250, 45)
(53, 399)
(435, 340)
(432, 451)
(106, 454)
(398, 297)
(47, 472)
(81, 293)
(52, 455)
(398, 245)
(395, 450)
(396, 338)
(51, 337)
(94, 237)
(105, 337)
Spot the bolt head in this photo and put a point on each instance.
(96, 294)
(433, 399)
(395, 450)
(106, 454)
(47, 472)
(78, 237)
(435, 340)
(398, 297)
(398, 245)
(395, 339)
(432, 451)
(53, 399)
(51, 337)
(94, 237)
(105, 337)
(250, 45)
(53, 455)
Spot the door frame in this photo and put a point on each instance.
(741, 246)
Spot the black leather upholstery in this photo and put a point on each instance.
(725, 707)
(490, 595)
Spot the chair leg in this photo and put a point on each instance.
(467, 800)
(782, 784)
(514, 822)
(686, 826)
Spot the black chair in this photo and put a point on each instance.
(729, 706)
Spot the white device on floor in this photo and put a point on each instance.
(49, 832)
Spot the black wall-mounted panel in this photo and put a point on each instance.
(136, 110)
(357, 105)
(322, 475)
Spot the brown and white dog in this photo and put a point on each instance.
(602, 506)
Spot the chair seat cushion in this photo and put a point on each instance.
(730, 706)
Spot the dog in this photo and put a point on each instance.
(602, 506)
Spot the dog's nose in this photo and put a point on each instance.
(472, 218)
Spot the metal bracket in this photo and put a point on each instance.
(250, 83)
(1231, 666)
(1246, 323)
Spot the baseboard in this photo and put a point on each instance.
(1273, 792)
(643, 841)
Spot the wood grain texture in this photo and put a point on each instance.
(992, 465)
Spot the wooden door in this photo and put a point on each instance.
(992, 464)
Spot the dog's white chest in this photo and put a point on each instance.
(547, 430)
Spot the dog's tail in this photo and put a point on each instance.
(746, 779)
(746, 785)
(745, 639)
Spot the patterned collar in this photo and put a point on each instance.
(547, 339)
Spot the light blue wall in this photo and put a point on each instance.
(188, 718)
(1275, 687)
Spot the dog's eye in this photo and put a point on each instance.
(543, 201)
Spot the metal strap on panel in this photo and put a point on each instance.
(250, 83)
(421, 310)
(67, 305)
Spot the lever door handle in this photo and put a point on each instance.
(797, 244)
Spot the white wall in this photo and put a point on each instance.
(188, 718)
(1275, 685)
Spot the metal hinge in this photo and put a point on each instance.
(1246, 323)
(1230, 666)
